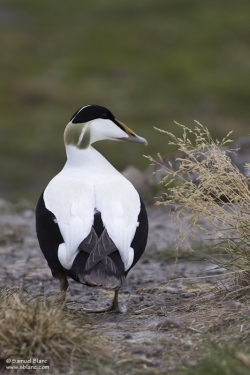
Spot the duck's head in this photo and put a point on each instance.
(94, 123)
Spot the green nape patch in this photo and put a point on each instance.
(72, 134)
(77, 135)
(227, 361)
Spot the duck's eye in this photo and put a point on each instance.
(104, 115)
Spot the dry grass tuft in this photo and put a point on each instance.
(207, 186)
(30, 328)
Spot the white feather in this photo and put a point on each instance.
(119, 204)
(72, 202)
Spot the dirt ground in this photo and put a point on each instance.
(171, 305)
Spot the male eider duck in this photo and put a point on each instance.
(91, 223)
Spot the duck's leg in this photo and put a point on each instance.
(64, 284)
(63, 287)
(113, 308)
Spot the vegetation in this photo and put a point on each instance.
(210, 187)
(149, 62)
(229, 349)
(222, 362)
(207, 186)
(33, 328)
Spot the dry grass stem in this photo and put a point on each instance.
(32, 328)
(206, 185)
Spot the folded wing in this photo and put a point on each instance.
(72, 201)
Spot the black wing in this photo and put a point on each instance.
(141, 236)
(49, 238)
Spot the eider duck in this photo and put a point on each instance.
(91, 223)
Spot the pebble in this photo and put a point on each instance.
(127, 336)
(233, 305)
(155, 363)
(164, 324)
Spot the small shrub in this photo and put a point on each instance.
(209, 186)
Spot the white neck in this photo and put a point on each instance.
(87, 160)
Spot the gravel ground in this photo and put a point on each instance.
(157, 293)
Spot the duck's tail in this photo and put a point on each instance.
(98, 262)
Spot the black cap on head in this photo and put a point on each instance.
(91, 112)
